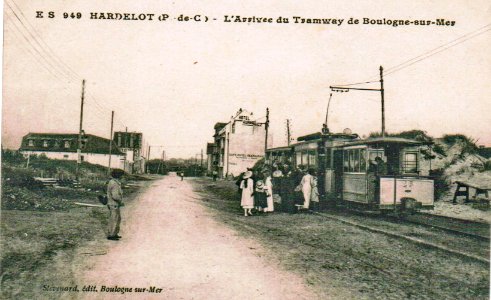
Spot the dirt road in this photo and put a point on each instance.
(171, 242)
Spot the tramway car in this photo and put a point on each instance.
(377, 173)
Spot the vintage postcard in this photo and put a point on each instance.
(246, 150)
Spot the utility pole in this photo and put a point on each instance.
(80, 130)
(288, 133)
(201, 164)
(266, 125)
(148, 159)
(382, 99)
(342, 89)
(110, 143)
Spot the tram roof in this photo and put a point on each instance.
(386, 140)
(284, 148)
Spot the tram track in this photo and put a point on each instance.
(467, 228)
(410, 235)
(482, 228)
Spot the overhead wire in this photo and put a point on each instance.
(31, 52)
(427, 54)
(475, 32)
(39, 48)
(434, 53)
(59, 75)
(36, 37)
(50, 58)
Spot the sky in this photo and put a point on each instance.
(174, 80)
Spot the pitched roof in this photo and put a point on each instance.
(55, 142)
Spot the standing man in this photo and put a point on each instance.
(114, 202)
(182, 175)
(215, 175)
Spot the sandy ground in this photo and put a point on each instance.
(172, 243)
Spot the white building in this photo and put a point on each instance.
(239, 144)
(95, 150)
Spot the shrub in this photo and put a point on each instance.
(12, 156)
(437, 148)
(486, 166)
(468, 144)
(441, 184)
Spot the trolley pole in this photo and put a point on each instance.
(80, 131)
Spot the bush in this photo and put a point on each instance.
(437, 148)
(20, 178)
(468, 144)
(441, 184)
(486, 166)
(12, 157)
(414, 134)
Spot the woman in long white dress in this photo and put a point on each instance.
(247, 199)
(306, 184)
(314, 197)
(268, 183)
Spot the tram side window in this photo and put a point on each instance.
(411, 162)
(345, 161)
(351, 154)
(312, 159)
(363, 160)
(354, 161)
(305, 158)
(299, 158)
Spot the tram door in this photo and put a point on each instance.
(337, 165)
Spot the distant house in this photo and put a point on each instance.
(130, 143)
(95, 149)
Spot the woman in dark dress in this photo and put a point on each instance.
(260, 196)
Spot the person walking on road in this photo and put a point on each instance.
(182, 175)
(114, 203)
(247, 199)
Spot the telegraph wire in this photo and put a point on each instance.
(476, 32)
(428, 56)
(50, 61)
(14, 26)
(358, 83)
(34, 55)
(49, 52)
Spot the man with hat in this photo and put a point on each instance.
(114, 202)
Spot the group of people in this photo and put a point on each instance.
(296, 190)
(256, 192)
